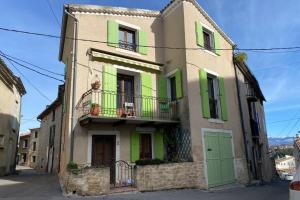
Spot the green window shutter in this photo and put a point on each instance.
(162, 87)
(134, 146)
(143, 42)
(204, 93)
(178, 80)
(223, 99)
(112, 33)
(147, 101)
(217, 43)
(159, 145)
(199, 34)
(109, 87)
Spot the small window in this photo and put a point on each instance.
(146, 146)
(25, 143)
(173, 88)
(1, 140)
(35, 134)
(213, 95)
(34, 146)
(53, 115)
(52, 136)
(33, 159)
(208, 37)
(127, 39)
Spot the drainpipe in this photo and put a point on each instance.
(241, 117)
(74, 61)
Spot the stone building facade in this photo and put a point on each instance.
(11, 90)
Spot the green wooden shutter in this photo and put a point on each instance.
(143, 42)
(217, 43)
(109, 87)
(112, 33)
(204, 93)
(147, 101)
(178, 80)
(224, 114)
(158, 145)
(134, 146)
(199, 34)
(162, 93)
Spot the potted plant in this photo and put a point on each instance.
(95, 85)
(95, 109)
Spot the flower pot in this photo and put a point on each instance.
(95, 110)
(95, 85)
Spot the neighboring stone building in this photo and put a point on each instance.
(251, 99)
(23, 150)
(33, 147)
(11, 90)
(126, 102)
(50, 135)
(297, 150)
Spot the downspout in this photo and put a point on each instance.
(241, 117)
(74, 61)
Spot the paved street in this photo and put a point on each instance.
(30, 185)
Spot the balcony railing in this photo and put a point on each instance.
(107, 104)
(250, 93)
(126, 45)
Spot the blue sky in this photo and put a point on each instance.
(250, 24)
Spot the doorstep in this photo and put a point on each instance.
(123, 190)
(226, 187)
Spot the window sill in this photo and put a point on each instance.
(127, 52)
(210, 52)
(217, 121)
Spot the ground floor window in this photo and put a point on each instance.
(33, 159)
(145, 146)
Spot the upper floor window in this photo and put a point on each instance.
(34, 146)
(35, 134)
(25, 143)
(208, 37)
(127, 39)
(213, 88)
(53, 115)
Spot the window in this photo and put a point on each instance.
(52, 136)
(25, 143)
(145, 147)
(213, 95)
(24, 157)
(173, 88)
(34, 146)
(53, 115)
(35, 134)
(1, 140)
(127, 39)
(208, 37)
(33, 159)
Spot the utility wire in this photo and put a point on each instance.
(262, 50)
(15, 58)
(285, 120)
(53, 13)
(40, 92)
(43, 74)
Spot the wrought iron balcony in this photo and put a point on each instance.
(250, 93)
(126, 45)
(112, 107)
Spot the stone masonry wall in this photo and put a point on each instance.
(170, 176)
(88, 182)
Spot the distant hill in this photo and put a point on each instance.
(273, 141)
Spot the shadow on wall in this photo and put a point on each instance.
(9, 131)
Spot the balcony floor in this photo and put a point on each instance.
(89, 119)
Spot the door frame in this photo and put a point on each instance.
(97, 132)
(203, 131)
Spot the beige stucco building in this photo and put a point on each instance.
(23, 150)
(33, 147)
(12, 90)
(151, 84)
(50, 135)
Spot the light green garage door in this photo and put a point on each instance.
(219, 158)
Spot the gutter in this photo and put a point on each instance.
(242, 118)
(74, 63)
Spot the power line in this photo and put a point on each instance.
(292, 128)
(53, 13)
(43, 74)
(261, 50)
(40, 92)
(285, 120)
(52, 72)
